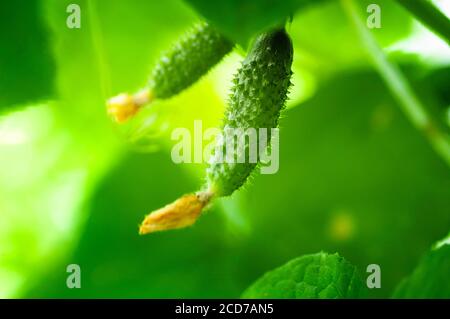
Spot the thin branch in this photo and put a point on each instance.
(99, 50)
(398, 85)
(427, 13)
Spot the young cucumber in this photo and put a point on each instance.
(188, 61)
(257, 97)
(177, 69)
(256, 100)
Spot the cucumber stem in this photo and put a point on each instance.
(427, 13)
(398, 84)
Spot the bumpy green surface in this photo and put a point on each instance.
(257, 97)
(431, 278)
(188, 60)
(319, 275)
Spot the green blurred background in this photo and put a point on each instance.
(355, 176)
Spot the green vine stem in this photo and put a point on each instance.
(398, 85)
(427, 13)
(98, 49)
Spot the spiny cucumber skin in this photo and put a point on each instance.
(257, 97)
(188, 60)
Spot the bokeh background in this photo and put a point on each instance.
(355, 175)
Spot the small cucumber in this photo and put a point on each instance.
(186, 62)
(257, 97)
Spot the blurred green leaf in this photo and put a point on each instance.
(117, 262)
(27, 67)
(321, 275)
(55, 154)
(240, 20)
(431, 277)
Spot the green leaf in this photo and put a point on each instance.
(320, 275)
(431, 277)
(26, 63)
(241, 19)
